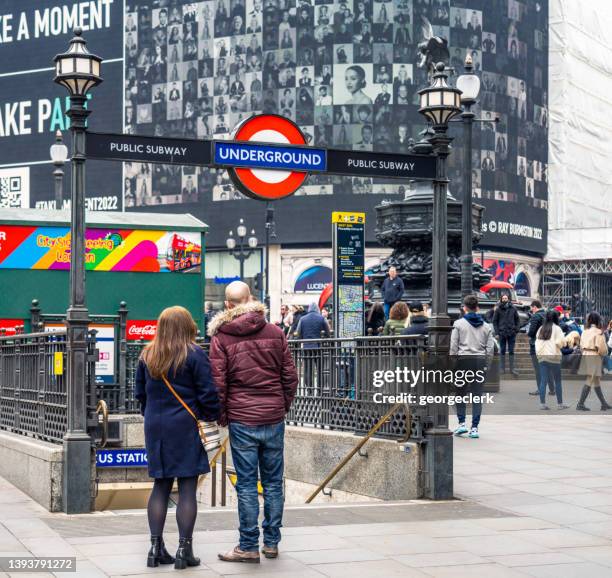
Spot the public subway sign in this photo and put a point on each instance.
(124, 147)
(381, 164)
(267, 158)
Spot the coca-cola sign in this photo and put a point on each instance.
(141, 329)
(9, 326)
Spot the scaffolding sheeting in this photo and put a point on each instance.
(580, 132)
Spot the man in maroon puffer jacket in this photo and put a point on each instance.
(257, 380)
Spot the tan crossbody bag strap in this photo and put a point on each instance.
(193, 415)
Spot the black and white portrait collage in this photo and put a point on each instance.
(345, 71)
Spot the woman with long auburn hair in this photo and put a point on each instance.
(174, 449)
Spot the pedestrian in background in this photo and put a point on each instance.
(398, 317)
(506, 323)
(285, 319)
(419, 322)
(550, 342)
(567, 321)
(174, 448)
(375, 319)
(392, 290)
(538, 314)
(608, 335)
(312, 326)
(594, 348)
(297, 311)
(473, 344)
(257, 381)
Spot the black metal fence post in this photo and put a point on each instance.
(34, 316)
(122, 341)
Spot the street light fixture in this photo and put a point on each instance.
(59, 154)
(469, 84)
(242, 254)
(270, 234)
(78, 70)
(439, 103)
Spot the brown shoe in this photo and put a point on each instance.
(270, 551)
(238, 555)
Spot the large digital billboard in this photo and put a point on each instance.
(345, 71)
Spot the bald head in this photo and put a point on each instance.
(237, 293)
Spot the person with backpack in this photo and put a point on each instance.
(550, 342)
(173, 366)
(473, 344)
(594, 348)
(506, 323)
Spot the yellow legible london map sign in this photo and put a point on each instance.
(344, 217)
(58, 363)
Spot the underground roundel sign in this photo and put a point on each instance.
(268, 184)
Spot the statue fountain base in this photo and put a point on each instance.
(406, 226)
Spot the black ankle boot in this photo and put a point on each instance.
(604, 404)
(583, 395)
(184, 555)
(158, 553)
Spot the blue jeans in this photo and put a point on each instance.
(550, 373)
(537, 367)
(387, 308)
(471, 363)
(258, 447)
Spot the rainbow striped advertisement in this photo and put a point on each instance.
(105, 249)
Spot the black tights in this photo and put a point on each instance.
(186, 510)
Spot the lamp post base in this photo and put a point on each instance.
(77, 495)
(439, 464)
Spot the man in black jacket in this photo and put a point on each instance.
(392, 290)
(538, 314)
(506, 323)
(419, 322)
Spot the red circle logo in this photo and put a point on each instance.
(266, 184)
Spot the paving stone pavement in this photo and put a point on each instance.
(535, 500)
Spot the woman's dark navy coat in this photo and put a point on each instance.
(173, 444)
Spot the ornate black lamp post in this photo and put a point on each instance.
(469, 85)
(439, 103)
(59, 154)
(242, 254)
(79, 71)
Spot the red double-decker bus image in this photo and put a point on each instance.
(182, 254)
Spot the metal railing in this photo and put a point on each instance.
(336, 389)
(33, 384)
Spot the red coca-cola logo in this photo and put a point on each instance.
(9, 326)
(140, 329)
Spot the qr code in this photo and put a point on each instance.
(10, 192)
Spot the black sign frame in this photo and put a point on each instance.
(136, 148)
